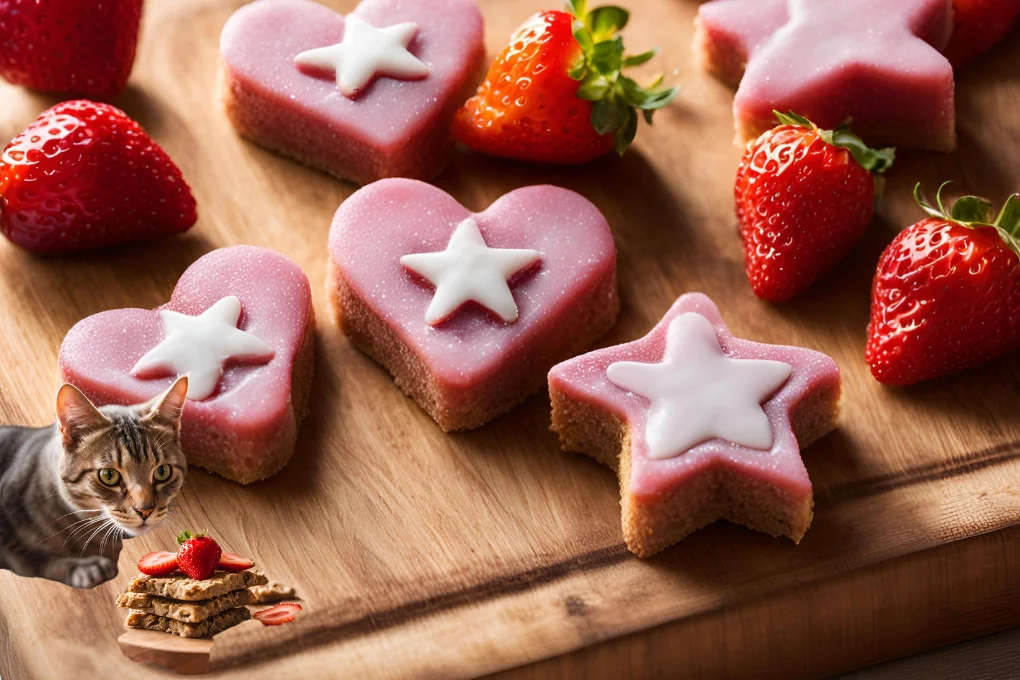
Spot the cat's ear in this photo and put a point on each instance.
(76, 414)
(168, 406)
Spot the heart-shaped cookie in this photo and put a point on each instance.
(368, 96)
(469, 311)
(240, 324)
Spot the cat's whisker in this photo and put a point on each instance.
(85, 526)
(88, 540)
(79, 524)
(73, 512)
(69, 526)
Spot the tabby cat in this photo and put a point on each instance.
(70, 492)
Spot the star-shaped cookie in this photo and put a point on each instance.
(874, 63)
(699, 425)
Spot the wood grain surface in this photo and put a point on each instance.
(424, 554)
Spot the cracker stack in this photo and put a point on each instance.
(190, 608)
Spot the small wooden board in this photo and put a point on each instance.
(185, 656)
(459, 555)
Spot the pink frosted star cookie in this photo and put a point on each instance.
(468, 311)
(362, 97)
(699, 425)
(240, 325)
(873, 62)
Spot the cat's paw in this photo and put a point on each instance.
(91, 572)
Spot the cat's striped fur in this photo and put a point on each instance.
(58, 519)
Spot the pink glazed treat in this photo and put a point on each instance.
(874, 63)
(368, 96)
(240, 324)
(468, 311)
(699, 425)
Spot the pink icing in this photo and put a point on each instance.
(743, 24)
(391, 218)
(390, 117)
(874, 62)
(584, 378)
(253, 401)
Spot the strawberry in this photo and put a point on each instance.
(978, 25)
(198, 555)
(85, 176)
(557, 93)
(69, 46)
(234, 562)
(278, 615)
(946, 295)
(804, 196)
(158, 563)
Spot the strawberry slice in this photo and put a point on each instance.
(278, 615)
(158, 563)
(234, 562)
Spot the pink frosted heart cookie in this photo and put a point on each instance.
(362, 97)
(240, 325)
(469, 310)
(699, 425)
(872, 62)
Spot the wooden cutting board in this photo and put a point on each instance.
(424, 554)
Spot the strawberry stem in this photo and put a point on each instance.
(616, 98)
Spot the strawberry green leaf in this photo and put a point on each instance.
(972, 210)
(615, 98)
(1009, 217)
(927, 207)
(607, 56)
(583, 37)
(605, 22)
(875, 161)
(625, 135)
(579, 68)
(579, 8)
(639, 59)
(594, 87)
(792, 118)
(608, 115)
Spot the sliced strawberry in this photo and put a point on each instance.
(158, 563)
(278, 615)
(234, 562)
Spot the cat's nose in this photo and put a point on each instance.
(144, 512)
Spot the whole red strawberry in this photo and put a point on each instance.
(978, 25)
(946, 294)
(82, 47)
(804, 196)
(556, 94)
(85, 176)
(198, 555)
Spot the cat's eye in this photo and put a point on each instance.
(109, 477)
(162, 473)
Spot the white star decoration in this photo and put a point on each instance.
(698, 393)
(199, 346)
(470, 270)
(364, 52)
